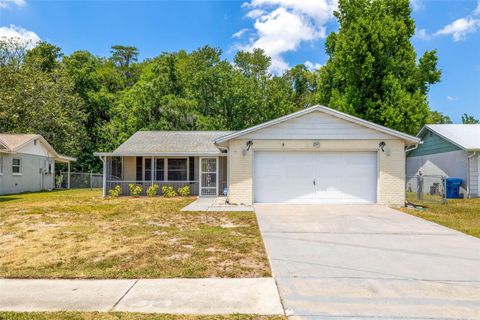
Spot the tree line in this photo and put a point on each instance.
(82, 103)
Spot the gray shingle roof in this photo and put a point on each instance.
(153, 142)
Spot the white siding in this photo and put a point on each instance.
(317, 125)
(474, 176)
(451, 164)
(37, 149)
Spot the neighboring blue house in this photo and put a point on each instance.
(449, 150)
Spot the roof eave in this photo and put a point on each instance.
(157, 154)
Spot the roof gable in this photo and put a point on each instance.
(16, 142)
(432, 144)
(464, 136)
(346, 126)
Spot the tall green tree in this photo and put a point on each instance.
(37, 97)
(468, 119)
(372, 71)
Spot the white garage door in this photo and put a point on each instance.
(315, 177)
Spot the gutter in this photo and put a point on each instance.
(468, 171)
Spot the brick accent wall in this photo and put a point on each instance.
(391, 163)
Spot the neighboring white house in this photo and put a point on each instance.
(27, 163)
(316, 155)
(450, 150)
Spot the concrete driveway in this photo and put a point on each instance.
(369, 261)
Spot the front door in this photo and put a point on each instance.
(208, 176)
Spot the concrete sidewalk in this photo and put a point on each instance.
(174, 296)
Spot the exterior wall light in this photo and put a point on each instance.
(382, 145)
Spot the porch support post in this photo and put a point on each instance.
(104, 160)
(68, 175)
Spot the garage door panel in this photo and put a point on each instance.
(340, 177)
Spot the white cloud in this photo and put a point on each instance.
(29, 38)
(459, 28)
(281, 26)
(422, 34)
(416, 5)
(7, 3)
(312, 66)
(450, 98)
(477, 10)
(255, 13)
(240, 33)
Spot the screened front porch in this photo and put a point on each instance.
(205, 176)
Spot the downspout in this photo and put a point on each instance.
(468, 171)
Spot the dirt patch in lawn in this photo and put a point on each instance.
(77, 234)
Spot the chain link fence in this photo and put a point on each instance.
(78, 180)
(426, 189)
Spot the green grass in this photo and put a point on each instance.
(462, 215)
(78, 234)
(122, 316)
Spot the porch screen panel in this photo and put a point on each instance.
(191, 161)
(139, 169)
(148, 169)
(116, 168)
(160, 169)
(177, 169)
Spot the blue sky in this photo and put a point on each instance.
(291, 31)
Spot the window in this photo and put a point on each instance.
(17, 166)
(148, 169)
(1, 164)
(177, 169)
(139, 169)
(159, 169)
(117, 168)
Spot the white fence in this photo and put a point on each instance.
(426, 188)
(78, 180)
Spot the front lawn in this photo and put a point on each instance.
(121, 316)
(77, 234)
(462, 215)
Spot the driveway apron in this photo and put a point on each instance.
(369, 261)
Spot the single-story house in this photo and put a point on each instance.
(316, 155)
(27, 163)
(450, 150)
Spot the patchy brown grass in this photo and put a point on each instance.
(77, 234)
(122, 316)
(462, 215)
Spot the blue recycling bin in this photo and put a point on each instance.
(453, 187)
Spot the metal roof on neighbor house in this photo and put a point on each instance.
(465, 136)
(170, 142)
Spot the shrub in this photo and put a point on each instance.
(184, 191)
(135, 190)
(152, 190)
(168, 192)
(115, 192)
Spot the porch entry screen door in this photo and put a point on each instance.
(208, 176)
